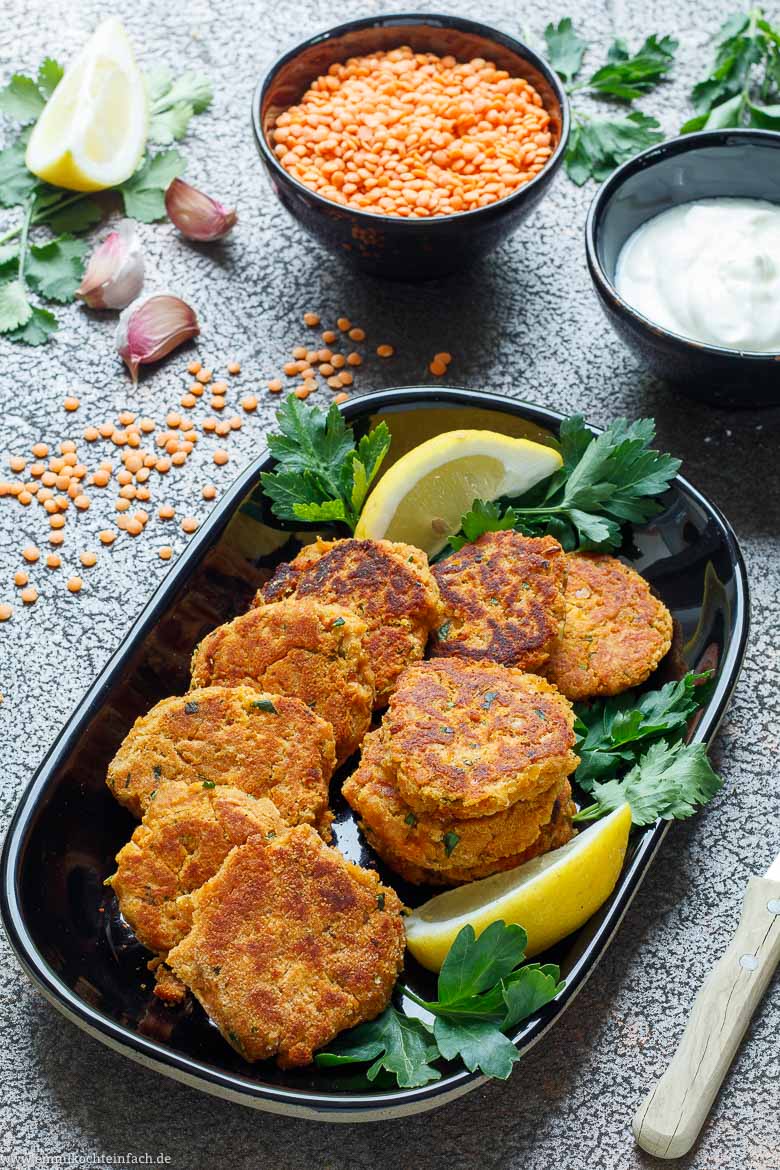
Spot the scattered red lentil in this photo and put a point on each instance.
(234, 367)
(75, 584)
(204, 376)
(106, 536)
(6, 612)
(21, 578)
(165, 553)
(194, 367)
(437, 368)
(189, 524)
(221, 457)
(29, 595)
(88, 559)
(249, 403)
(340, 398)
(31, 554)
(209, 492)
(311, 319)
(53, 560)
(71, 403)
(385, 351)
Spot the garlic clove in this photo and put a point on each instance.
(151, 327)
(196, 215)
(115, 273)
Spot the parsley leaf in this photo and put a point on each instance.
(143, 194)
(606, 481)
(394, 1042)
(21, 99)
(78, 216)
(667, 782)
(630, 77)
(743, 86)
(15, 309)
(565, 50)
(598, 145)
(173, 103)
(54, 269)
(321, 475)
(483, 989)
(37, 329)
(613, 732)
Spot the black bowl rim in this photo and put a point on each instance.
(370, 218)
(347, 1107)
(644, 161)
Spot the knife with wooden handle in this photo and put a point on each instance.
(668, 1121)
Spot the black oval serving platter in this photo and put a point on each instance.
(64, 924)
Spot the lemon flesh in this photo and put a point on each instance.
(92, 132)
(550, 896)
(420, 500)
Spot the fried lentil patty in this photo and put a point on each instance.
(558, 831)
(290, 944)
(439, 843)
(469, 739)
(389, 585)
(502, 597)
(304, 648)
(187, 832)
(265, 744)
(616, 632)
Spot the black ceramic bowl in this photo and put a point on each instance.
(712, 164)
(64, 923)
(406, 249)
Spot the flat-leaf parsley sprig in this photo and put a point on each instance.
(606, 480)
(51, 267)
(599, 144)
(743, 87)
(321, 474)
(484, 989)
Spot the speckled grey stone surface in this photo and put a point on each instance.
(525, 323)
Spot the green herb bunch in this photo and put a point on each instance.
(743, 87)
(484, 990)
(606, 481)
(41, 256)
(600, 143)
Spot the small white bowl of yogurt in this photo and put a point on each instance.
(683, 246)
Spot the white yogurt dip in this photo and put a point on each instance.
(710, 271)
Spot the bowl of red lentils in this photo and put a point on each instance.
(411, 145)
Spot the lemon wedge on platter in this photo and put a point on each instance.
(420, 500)
(92, 131)
(550, 896)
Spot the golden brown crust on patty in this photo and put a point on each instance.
(304, 648)
(616, 631)
(502, 597)
(186, 834)
(290, 945)
(468, 739)
(389, 585)
(265, 744)
(558, 830)
(440, 843)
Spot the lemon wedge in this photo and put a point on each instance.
(92, 131)
(549, 896)
(420, 500)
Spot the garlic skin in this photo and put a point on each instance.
(115, 273)
(196, 215)
(153, 326)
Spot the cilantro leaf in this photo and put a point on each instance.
(54, 269)
(394, 1042)
(613, 732)
(49, 76)
(37, 329)
(668, 782)
(15, 309)
(320, 474)
(143, 194)
(21, 99)
(16, 182)
(743, 86)
(598, 145)
(565, 49)
(630, 77)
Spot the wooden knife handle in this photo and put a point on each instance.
(668, 1121)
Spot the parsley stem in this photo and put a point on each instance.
(25, 231)
(42, 214)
